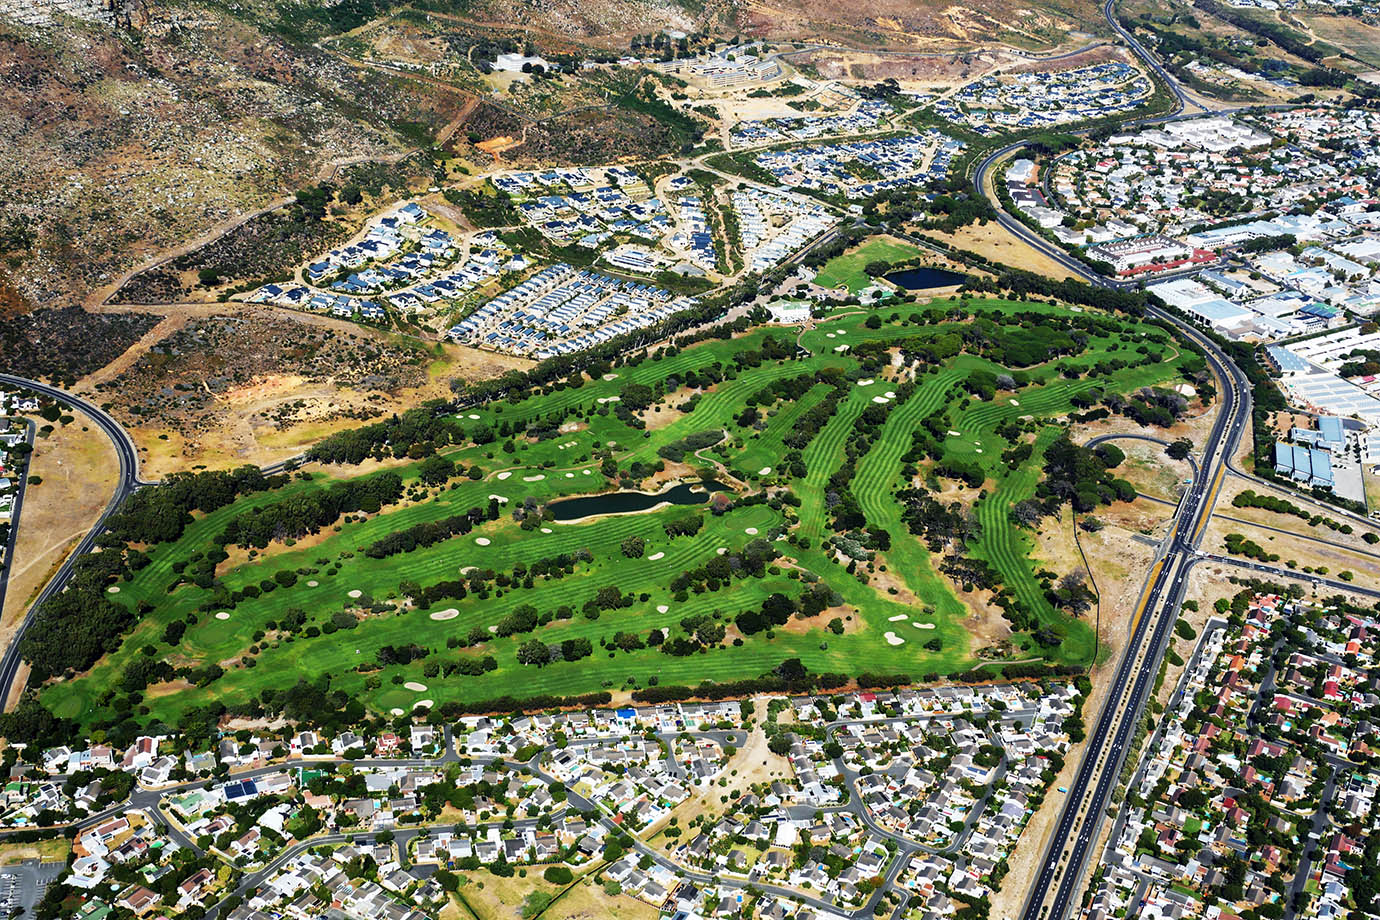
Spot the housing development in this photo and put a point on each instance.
(675, 461)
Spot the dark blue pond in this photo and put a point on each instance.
(919, 279)
(572, 509)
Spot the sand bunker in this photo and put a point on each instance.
(866, 383)
(501, 499)
(893, 639)
(222, 615)
(481, 541)
(537, 478)
(415, 687)
(923, 625)
(473, 417)
(655, 556)
(356, 593)
(113, 589)
(898, 618)
(764, 471)
(504, 475)
(662, 608)
(420, 703)
(546, 530)
(313, 583)
(750, 531)
(449, 613)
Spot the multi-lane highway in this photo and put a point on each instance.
(1055, 888)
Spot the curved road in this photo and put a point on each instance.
(128, 482)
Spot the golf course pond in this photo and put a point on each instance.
(630, 502)
(920, 279)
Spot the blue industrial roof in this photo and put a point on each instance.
(1286, 359)
(1301, 460)
(1331, 428)
(1322, 466)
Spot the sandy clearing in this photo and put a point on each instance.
(449, 613)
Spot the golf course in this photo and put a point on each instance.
(801, 450)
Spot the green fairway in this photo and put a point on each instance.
(789, 433)
(847, 269)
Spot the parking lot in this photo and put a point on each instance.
(22, 886)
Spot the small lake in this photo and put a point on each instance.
(572, 509)
(920, 279)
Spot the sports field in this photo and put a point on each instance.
(847, 269)
(788, 467)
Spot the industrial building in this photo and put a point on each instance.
(1307, 466)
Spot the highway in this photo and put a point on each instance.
(128, 482)
(1058, 883)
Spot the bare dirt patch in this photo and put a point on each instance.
(235, 384)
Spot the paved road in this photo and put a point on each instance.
(7, 560)
(128, 482)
